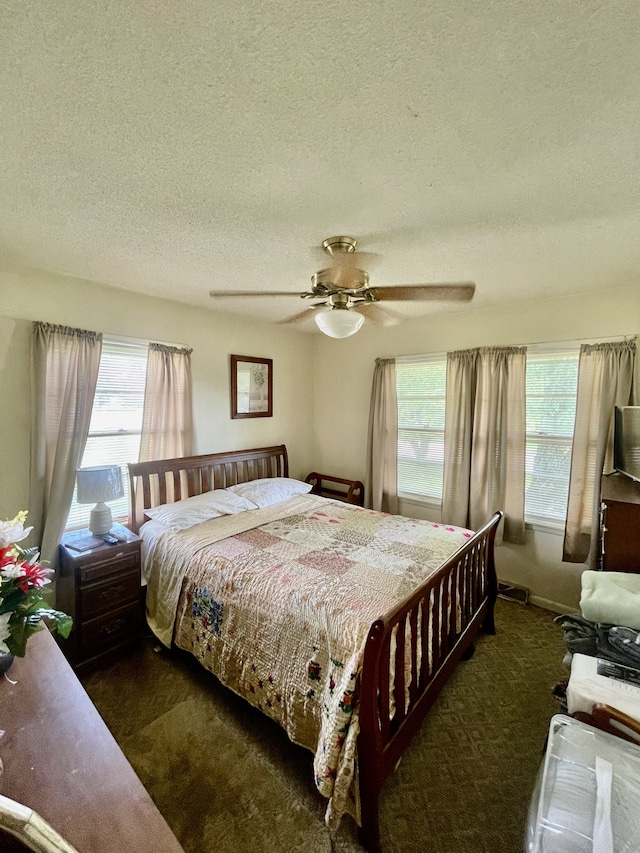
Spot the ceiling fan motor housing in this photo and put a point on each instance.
(323, 281)
(339, 245)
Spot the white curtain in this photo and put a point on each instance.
(605, 380)
(485, 438)
(64, 366)
(381, 482)
(167, 419)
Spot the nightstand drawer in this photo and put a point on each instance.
(107, 630)
(115, 561)
(110, 595)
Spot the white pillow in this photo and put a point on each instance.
(185, 513)
(270, 490)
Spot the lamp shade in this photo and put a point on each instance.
(99, 484)
(339, 322)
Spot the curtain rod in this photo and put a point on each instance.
(570, 344)
(142, 343)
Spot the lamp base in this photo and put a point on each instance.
(100, 520)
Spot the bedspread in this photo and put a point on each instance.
(280, 612)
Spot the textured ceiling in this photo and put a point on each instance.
(174, 147)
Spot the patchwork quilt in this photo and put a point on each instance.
(278, 602)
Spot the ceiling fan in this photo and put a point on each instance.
(346, 297)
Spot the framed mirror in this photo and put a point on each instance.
(251, 387)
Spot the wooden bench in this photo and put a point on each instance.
(349, 491)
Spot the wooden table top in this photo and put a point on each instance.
(61, 760)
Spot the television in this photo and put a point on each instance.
(626, 441)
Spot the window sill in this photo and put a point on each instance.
(84, 525)
(556, 528)
(420, 500)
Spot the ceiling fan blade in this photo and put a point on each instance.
(459, 292)
(301, 316)
(379, 316)
(224, 293)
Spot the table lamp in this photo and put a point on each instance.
(97, 485)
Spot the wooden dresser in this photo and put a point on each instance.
(61, 760)
(620, 524)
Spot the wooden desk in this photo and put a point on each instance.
(61, 760)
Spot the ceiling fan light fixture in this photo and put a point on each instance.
(339, 322)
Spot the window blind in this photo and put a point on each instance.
(421, 389)
(552, 384)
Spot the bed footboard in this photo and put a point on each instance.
(409, 656)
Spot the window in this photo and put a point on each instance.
(552, 385)
(552, 381)
(421, 389)
(116, 420)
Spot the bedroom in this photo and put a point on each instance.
(533, 196)
(310, 435)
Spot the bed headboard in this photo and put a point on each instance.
(168, 480)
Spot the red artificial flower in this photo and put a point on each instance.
(6, 556)
(34, 575)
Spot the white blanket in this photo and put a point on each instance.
(587, 688)
(612, 598)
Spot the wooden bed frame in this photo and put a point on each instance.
(454, 604)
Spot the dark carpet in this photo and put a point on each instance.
(228, 779)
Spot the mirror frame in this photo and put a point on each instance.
(236, 361)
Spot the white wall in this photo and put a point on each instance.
(321, 386)
(344, 369)
(28, 295)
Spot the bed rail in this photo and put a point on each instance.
(168, 480)
(408, 657)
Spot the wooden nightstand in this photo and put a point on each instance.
(100, 587)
